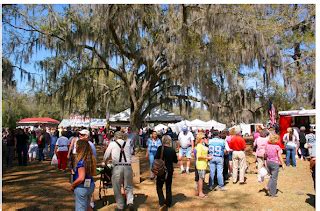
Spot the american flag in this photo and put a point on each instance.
(272, 113)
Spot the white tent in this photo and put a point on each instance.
(199, 124)
(216, 125)
(178, 126)
(156, 115)
(159, 127)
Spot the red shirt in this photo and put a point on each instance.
(237, 143)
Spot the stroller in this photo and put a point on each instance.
(105, 181)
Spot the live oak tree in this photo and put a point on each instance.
(143, 56)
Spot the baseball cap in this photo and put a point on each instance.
(84, 132)
(185, 128)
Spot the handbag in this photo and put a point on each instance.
(159, 167)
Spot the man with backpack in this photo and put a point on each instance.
(120, 152)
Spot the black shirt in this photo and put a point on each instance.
(169, 156)
(22, 139)
(302, 138)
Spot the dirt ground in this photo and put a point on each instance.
(40, 186)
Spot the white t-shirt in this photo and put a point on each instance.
(311, 138)
(62, 144)
(185, 140)
(294, 142)
(114, 150)
(74, 150)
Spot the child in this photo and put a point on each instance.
(202, 162)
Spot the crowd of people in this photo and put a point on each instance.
(221, 153)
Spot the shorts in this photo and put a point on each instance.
(202, 174)
(185, 152)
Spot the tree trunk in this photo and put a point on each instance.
(135, 119)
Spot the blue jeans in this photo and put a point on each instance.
(291, 152)
(216, 162)
(274, 171)
(52, 146)
(83, 197)
(41, 155)
(151, 159)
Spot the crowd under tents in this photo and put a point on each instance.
(159, 117)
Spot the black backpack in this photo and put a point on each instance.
(159, 167)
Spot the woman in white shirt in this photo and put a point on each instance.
(292, 144)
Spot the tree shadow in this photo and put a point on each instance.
(178, 198)
(311, 200)
(139, 199)
(33, 208)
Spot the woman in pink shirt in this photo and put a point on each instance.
(260, 143)
(273, 161)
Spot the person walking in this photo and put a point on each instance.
(238, 146)
(41, 144)
(11, 142)
(302, 142)
(273, 160)
(260, 143)
(310, 141)
(291, 143)
(33, 147)
(217, 149)
(22, 147)
(202, 162)
(231, 133)
(83, 183)
(170, 157)
(120, 151)
(153, 143)
(186, 146)
(61, 151)
(53, 140)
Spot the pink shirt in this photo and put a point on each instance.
(256, 135)
(272, 152)
(228, 139)
(261, 143)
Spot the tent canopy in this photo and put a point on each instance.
(38, 120)
(302, 112)
(156, 115)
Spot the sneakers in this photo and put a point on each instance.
(181, 171)
(187, 171)
(222, 188)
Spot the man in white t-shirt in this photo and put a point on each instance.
(186, 146)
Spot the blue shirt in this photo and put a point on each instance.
(76, 174)
(216, 147)
(53, 139)
(153, 145)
